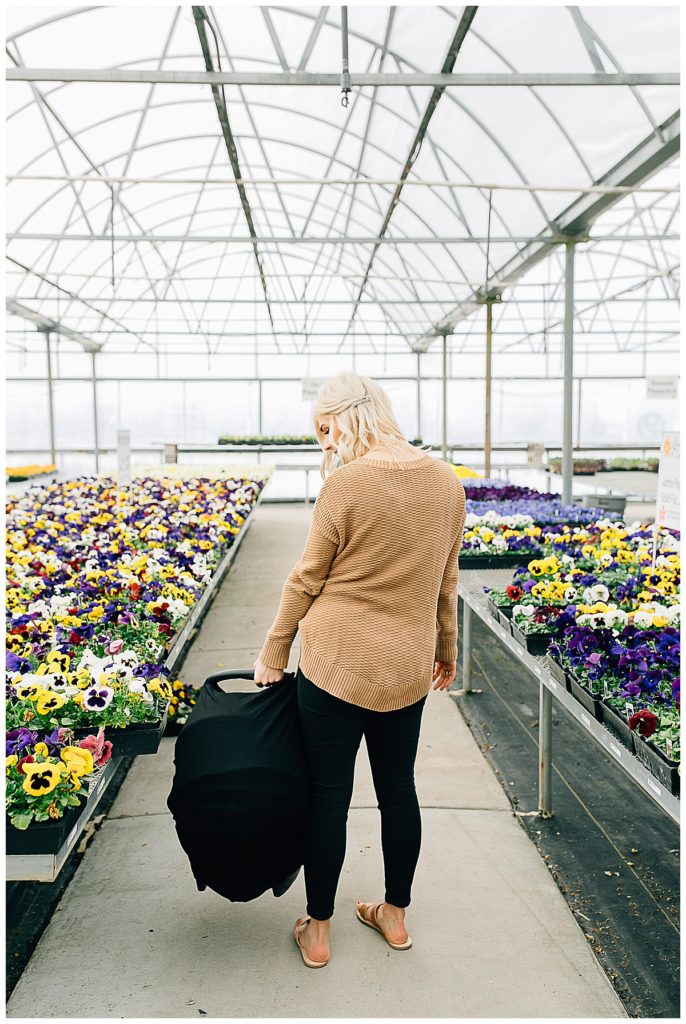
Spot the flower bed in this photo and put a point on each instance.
(97, 593)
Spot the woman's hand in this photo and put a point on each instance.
(265, 676)
(444, 674)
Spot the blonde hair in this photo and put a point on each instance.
(362, 411)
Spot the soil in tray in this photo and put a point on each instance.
(663, 768)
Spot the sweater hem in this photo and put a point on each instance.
(356, 689)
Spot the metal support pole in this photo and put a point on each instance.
(419, 395)
(96, 445)
(545, 752)
(444, 429)
(489, 361)
(466, 642)
(259, 408)
(51, 406)
(568, 383)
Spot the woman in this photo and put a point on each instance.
(374, 594)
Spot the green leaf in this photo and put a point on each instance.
(21, 821)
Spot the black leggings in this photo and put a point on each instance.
(332, 730)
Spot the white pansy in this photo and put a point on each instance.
(38, 606)
(499, 543)
(673, 612)
(524, 609)
(598, 592)
(642, 619)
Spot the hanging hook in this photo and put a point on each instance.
(345, 73)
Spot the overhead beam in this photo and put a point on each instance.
(201, 19)
(441, 80)
(644, 160)
(551, 240)
(48, 326)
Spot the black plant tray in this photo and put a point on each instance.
(558, 673)
(505, 620)
(535, 643)
(48, 837)
(41, 836)
(139, 738)
(662, 767)
(619, 727)
(585, 697)
(508, 560)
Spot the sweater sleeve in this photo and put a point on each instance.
(304, 582)
(446, 622)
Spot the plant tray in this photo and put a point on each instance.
(535, 643)
(48, 837)
(505, 620)
(492, 608)
(508, 560)
(140, 738)
(558, 673)
(585, 697)
(619, 727)
(662, 767)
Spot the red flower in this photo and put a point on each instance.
(25, 760)
(514, 592)
(165, 629)
(645, 721)
(75, 638)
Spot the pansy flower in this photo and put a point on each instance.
(42, 777)
(98, 698)
(49, 702)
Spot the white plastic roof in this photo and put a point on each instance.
(177, 267)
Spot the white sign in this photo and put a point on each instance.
(667, 508)
(534, 454)
(311, 386)
(662, 387)
(123, 457)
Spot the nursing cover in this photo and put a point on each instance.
(240, 792)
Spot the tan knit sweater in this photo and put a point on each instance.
(375, 590)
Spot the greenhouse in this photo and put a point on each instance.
(342, 389)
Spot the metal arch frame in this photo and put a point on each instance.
(85, 155)
(166, 199)
(321, 20)
(308, 116)
(573, 220)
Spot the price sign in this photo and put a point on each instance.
(123, 457)
(668, 507)
(311, 386)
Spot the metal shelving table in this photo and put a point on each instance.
(474, 602)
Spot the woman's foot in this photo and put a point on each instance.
(313, 938)
(387, 919)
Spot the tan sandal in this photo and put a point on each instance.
(307, 960)
(373, 922)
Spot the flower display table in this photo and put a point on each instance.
(39, 853)
(474, 602)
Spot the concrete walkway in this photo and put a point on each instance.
(493, 937)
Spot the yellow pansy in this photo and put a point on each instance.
(48, 702)
(78, 760)
(42, 777)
